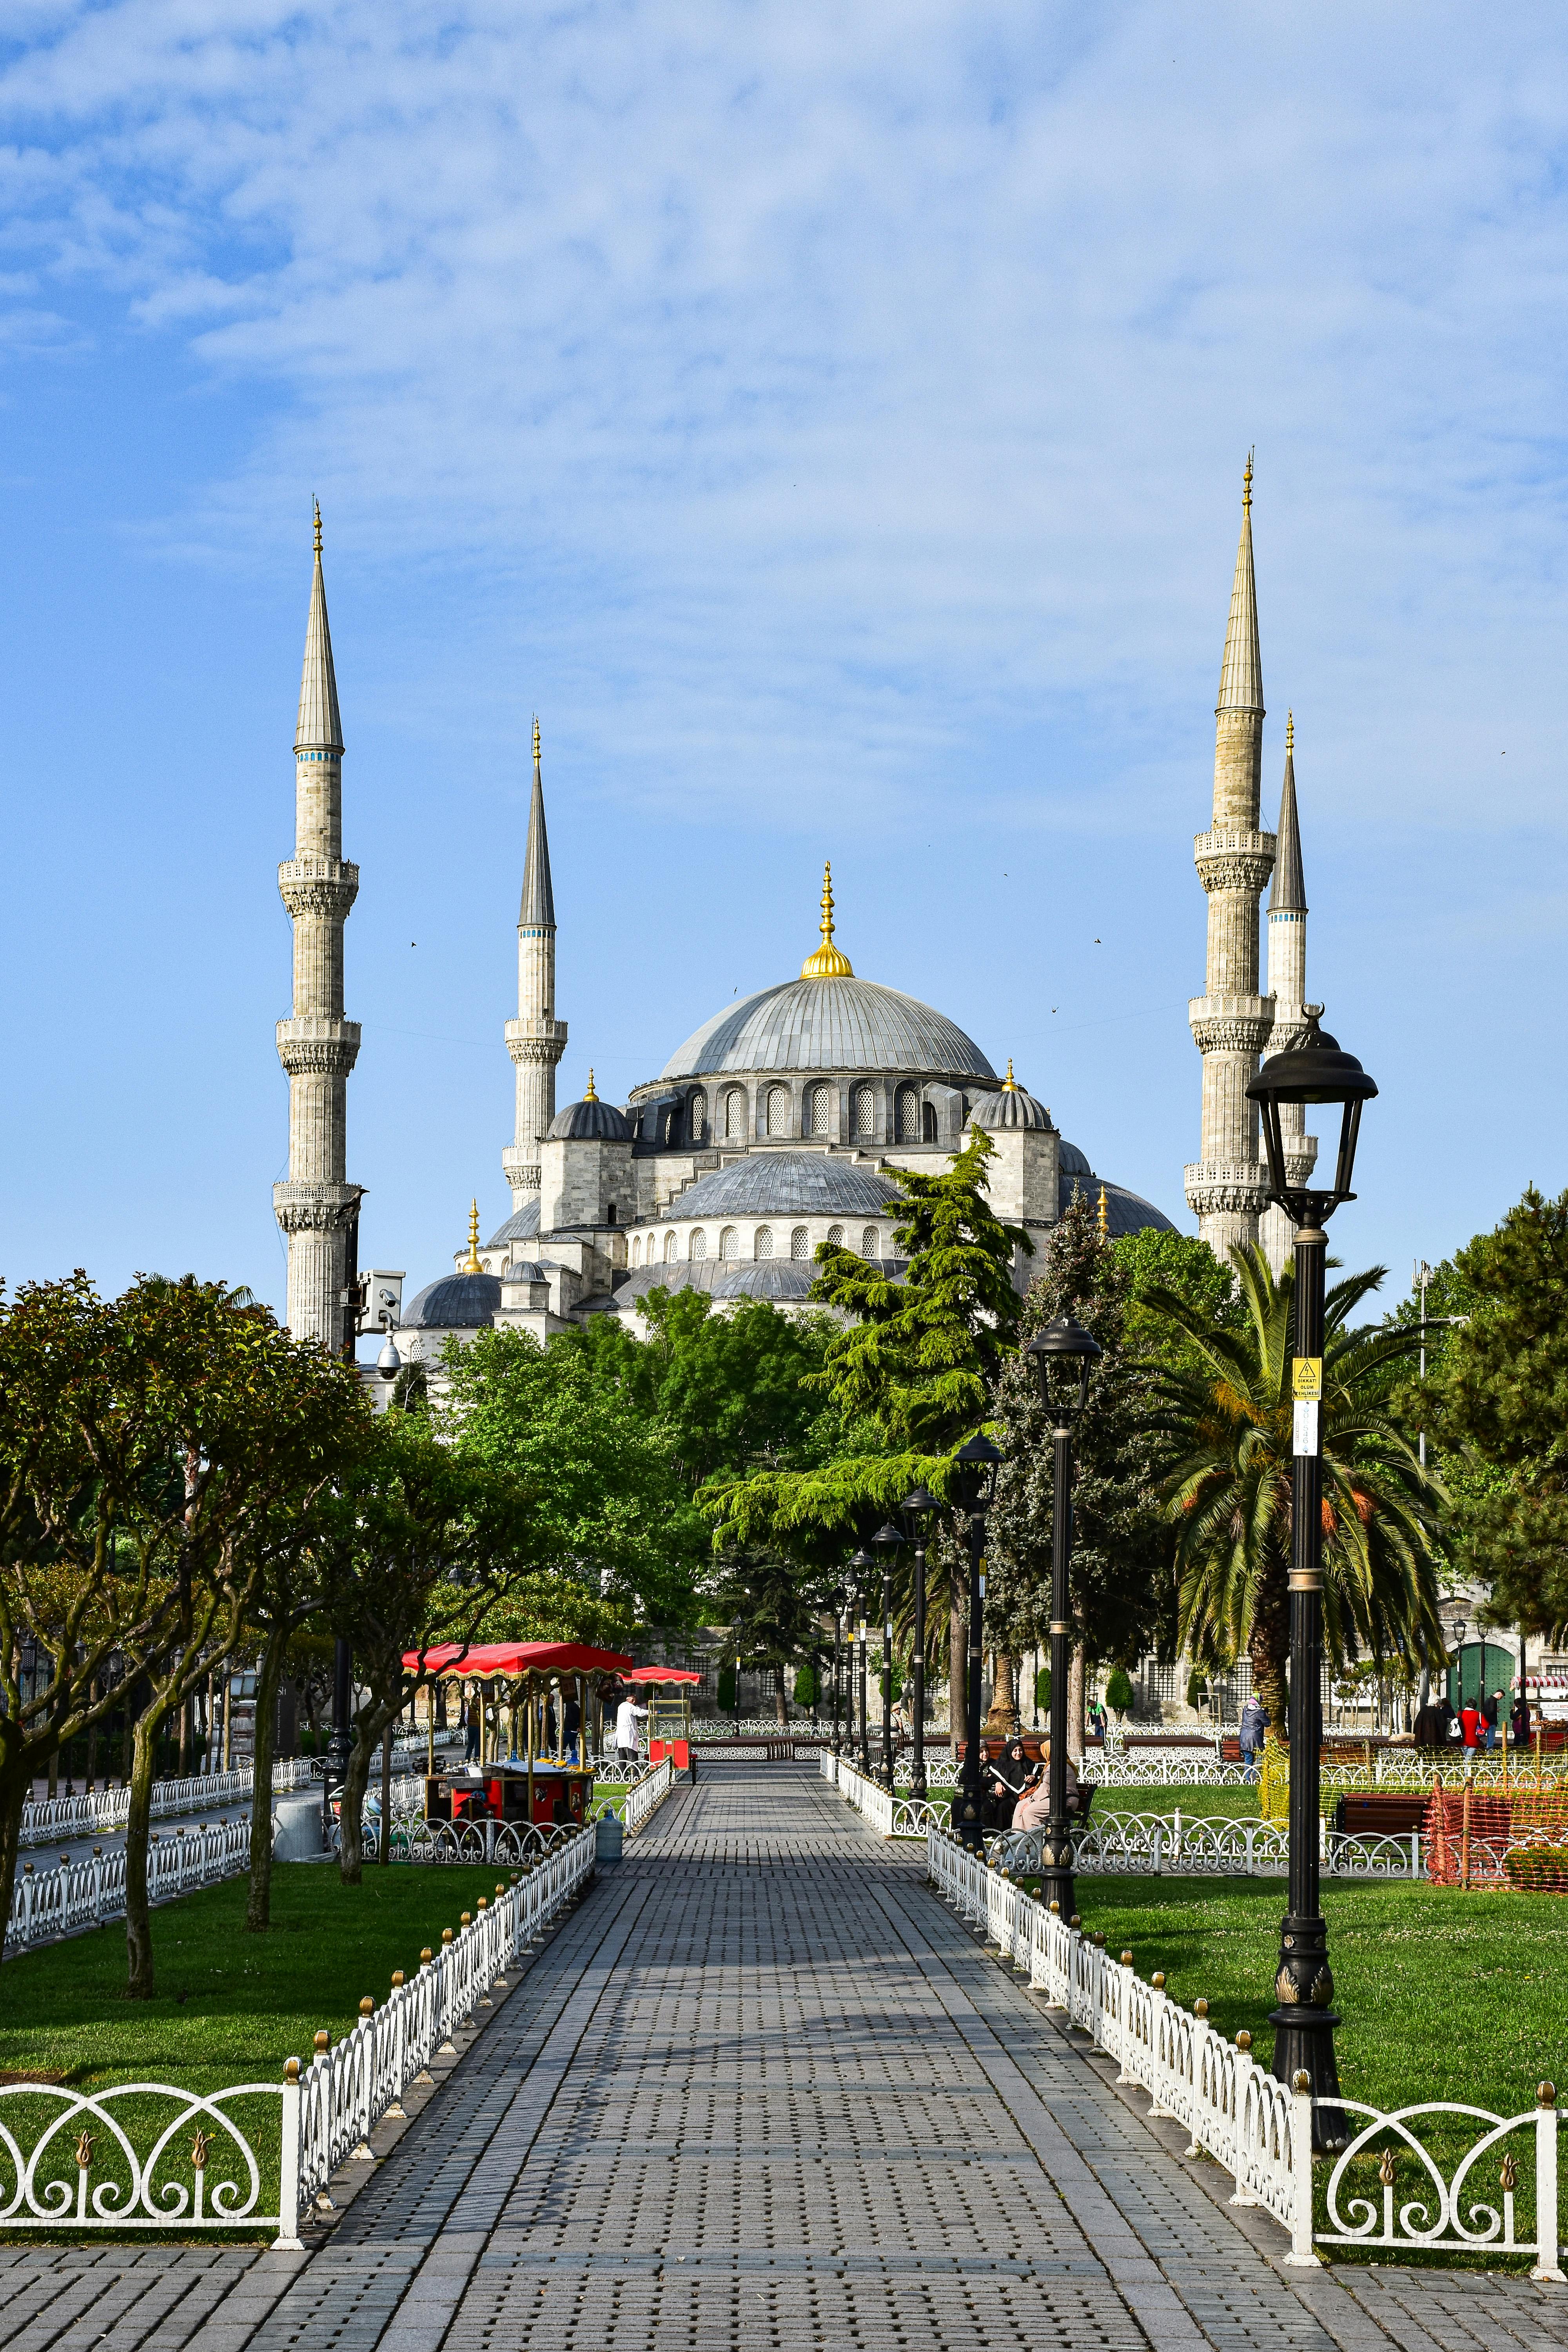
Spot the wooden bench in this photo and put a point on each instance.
(1393, 1815)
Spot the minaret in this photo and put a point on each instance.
(535, 1040)
(1230, 1021)
(1288, 987)
(318, 1207)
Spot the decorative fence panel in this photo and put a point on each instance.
(149, 2178)
(1259, 2129)
(49, 1818)
(52, 1903)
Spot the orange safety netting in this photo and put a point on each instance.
(1486, 1836)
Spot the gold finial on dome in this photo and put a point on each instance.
(536, 739)
(472, 1263)
(1247, 486)
(1102, 1217)
(590, 1096)
(1289, 732)
(1009, 1084)
(828, 963)
(317, 504)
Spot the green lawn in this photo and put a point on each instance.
(229, 2007)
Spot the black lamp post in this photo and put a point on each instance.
(973, 1488)
(1313, 1071)
(1061, 1354)
(335, 1770)
(885, 1544)
(862, 1564)
(836, 1598)
(919, 1509)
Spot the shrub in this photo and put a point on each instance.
(805, 1687)
(1042, 1690)
(1119, 1691)
(726, 1690)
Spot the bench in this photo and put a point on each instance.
(1393, 1815)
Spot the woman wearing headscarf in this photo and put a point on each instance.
(1034, 1809)
(1012, 1776)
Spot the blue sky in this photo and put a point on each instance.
(831, 422)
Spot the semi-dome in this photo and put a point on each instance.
(829, 1024)
(787, 1184)
(523, 1225)
(785, 1281)
(589, 1121)
(458, 1302)
(1011, 1106)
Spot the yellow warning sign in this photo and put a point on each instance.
(1309, 1379)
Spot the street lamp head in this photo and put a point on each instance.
(1314, 1070)
(973, 1485)
(837, 1597)
(1061, 1355)
(885, 1542)
(917, 1510)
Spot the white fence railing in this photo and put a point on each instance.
(146, 2156)
(1157, 1845)
(890, 1816)
(52, 1903)
(46, 1820)
(648, 1796)
(1257, 2127)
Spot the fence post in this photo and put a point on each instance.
(288, 2240)
(1548, 2239)
(1302, 2253)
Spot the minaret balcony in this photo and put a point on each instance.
(317, 886)
(310, 1046)
(1214, 1189)
(1233, 861)
(316, 1208)
(1231, 1024)
(542, 1042)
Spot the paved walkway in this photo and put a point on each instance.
(762, 2089)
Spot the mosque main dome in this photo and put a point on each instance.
(829, 1024)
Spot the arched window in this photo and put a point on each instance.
(778, 1110)
(764, 1245)
(864, 1113)
(636, 1249)
(868, 1242)
(836, 1236)
(907, 1121)
(609, 1212)
(697, 1116)
(735, 1115)
(729, 1243)
(821, 1109)
(928, 1121)
(698, 1245)
(799, 1243)
(670, 1249)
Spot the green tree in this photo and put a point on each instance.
(1121, 1588)
(1119, 1691)
(1227, 1487)
(1497, 1402)
(771, 1619)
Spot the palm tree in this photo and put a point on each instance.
(1228, 1418)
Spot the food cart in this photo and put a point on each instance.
(669, 1712)
(518, 1777)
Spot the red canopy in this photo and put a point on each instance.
(661, 1675)
(508, 1661)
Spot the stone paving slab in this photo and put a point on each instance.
(762, 2087)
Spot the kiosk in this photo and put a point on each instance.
(669, 1712)
(522, 1689)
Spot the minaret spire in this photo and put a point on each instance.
(318, 1207)
(1230, 1021)
(1288, 987)
(535, 1040)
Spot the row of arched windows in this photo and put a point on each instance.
(764, 1244)
(914, 1121)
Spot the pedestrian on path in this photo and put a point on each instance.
(1254, 1732)
(629, 1719)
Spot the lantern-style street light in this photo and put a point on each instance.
(885, 1543)
(918, 1510)
(1315, 1070)
(1061, 1354)
(972, 1487)
(861, 1565)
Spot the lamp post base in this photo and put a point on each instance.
(966, 1820)
(1304, 2044)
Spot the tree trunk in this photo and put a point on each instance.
(138, 1824)
(1004, 1715)
(1268, 1647)
(779, 1699)
(15, 1788)
(269, 1666)
(1077, 1678)
(384, 1854)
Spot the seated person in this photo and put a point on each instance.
(1033, 1809)
(1009, 1779)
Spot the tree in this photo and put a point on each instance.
(1227, 1427)
(1119, 1690)
(1496, 1399)
(771, 1620)
(1121, 1590)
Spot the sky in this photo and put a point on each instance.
(831, 423)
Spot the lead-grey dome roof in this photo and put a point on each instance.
(829, 1024)
(1011, 1106)
(458, 1302)
(781, 1280)
(590, 1120)
(787, 1184)
(520, 1226)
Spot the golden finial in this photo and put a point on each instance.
(828, 963)
(1103, 1220)
(1289, 732)
(317, 504)
(1247, 486)
(590, 1096)
(1009, 1084)
(472, 1263)
(536, 741)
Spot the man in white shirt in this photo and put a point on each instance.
(630, 1717)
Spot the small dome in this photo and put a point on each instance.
(787, 1184)
(1010, 1106)
(520, 1226)
(1072, 1161)
(781, 1280)
(589, 1121)
(525, 1269)
(458, 1302)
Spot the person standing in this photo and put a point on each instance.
(1254, 1732)
(629, 1719)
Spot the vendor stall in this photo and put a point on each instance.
(669, 1712)
(531, 1768)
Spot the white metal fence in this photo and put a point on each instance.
(146, 2156)
(46, 1820)
(890, 1815)
(51, 1903)
(1258, 2129)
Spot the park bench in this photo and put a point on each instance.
(1369, 1814)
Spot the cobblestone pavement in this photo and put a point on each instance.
(761, 2089)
